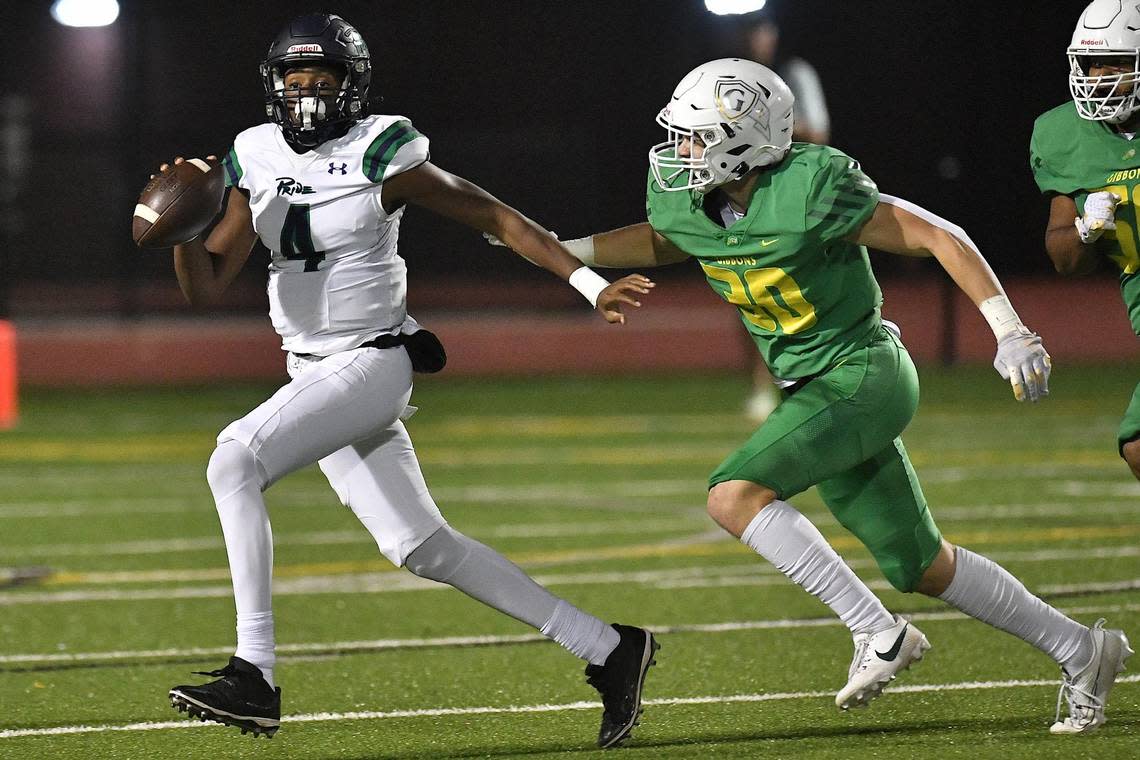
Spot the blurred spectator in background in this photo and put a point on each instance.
(812, 124)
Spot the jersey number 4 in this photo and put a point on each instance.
(766, 297)
(297, 237)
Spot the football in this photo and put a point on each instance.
(177, 204)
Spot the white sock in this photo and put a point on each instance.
(255, 642)
(789, 541)
(581, 633)
(985, 591)
(235, 480)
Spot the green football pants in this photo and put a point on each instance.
(840, 432)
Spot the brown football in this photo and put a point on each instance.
(177, 204)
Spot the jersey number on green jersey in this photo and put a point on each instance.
(297, 237)
(1129, 258)
(766, 297)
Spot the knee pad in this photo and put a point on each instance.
(440, 555)
(233, 467)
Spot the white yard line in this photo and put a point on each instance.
(57, 509)
(464, 641)
(944, 515)
(342, 537)
(583, 491)
(357, 578)
(328, 717)
(1095, 488)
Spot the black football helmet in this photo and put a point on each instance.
(317, 39)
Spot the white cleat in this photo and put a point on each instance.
(1087, 690)
(879, 657)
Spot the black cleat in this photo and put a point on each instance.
(619, 681)
(240, 697)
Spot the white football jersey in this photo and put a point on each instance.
(335, 280)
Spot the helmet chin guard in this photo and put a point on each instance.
(1107, 29)
(738, 112)
(325, 40)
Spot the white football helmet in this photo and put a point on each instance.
(740, 111)
(1106, 29)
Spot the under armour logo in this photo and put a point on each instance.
(343, 168)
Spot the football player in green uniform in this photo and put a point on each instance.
(780, 230)
(1085, 160)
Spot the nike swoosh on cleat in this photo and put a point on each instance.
(893, 652)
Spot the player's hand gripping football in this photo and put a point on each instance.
(181, 160)
(1023, 361)
(1100, 215)
(621, 292)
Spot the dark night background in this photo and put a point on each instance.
(549, 105)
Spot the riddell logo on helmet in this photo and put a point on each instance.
(1093, 42)
(309, 48)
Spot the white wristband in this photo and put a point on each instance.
(1002, 318)
(582, 249)
(589, 283)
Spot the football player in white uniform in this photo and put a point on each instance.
(324, 186)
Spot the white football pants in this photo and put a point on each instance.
(342, 412)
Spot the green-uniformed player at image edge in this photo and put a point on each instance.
(1076, 157)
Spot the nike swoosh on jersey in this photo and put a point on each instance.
(893, 652)
(766, 243)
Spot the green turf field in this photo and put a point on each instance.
(597, 488)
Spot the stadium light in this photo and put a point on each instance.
(85, 12)
(732, 7)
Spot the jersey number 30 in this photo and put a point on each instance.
(297, 237)
(766, 297)
(1128, 259)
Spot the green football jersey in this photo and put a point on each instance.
(1073, 156)
(806, 296)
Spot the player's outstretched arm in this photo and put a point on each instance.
(455, 198)
(633, 247)
(638, 245)
(1070, 254)
(205, 270)
(900, 227)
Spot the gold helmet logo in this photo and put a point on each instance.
(734, 98)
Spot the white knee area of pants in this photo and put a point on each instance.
(233, 468)
(440, 556)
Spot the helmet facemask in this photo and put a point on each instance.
(668, 163)
(1112, 98)
(309, 117)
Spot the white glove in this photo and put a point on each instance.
(1100, 215)
(1022, 359)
